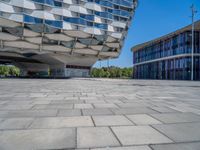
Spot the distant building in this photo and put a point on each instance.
(168, 57)
(63, 37)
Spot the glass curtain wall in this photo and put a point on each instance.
(173, 69)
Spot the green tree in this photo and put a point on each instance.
(107, 74)
(4, 70)
(14, 71)
(112, 72)
(9, 70)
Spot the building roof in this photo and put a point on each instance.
(189, 27)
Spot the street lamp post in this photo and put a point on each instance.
(108, 63)
(192, 67)
(100, 63)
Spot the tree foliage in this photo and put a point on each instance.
(9, 70)
(112, 72)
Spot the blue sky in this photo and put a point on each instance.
(153, 19)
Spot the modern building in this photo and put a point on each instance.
(169, 57)
(63, 37)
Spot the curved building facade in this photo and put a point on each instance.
(63, 37)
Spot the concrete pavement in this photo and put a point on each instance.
(99, 114)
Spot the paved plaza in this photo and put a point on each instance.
(99, 114)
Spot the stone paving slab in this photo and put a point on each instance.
(182, 132)
(130, 111)
(28, 113)
(65, 102)
(16, 107)
(91, 101)
(62, 122)
(95, 137)
(125, 148)
(16, 123)
(111, 120)
(37, 139)
(179, 146)
(83, 106)
(69, 112)
(20, 102)
(108, 105)
(177, 117)
(139, 135)
(163, 109)
(131, 105)
(97, 111)
(53, 106)
(143, 119)
(1, 119)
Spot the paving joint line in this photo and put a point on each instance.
(115, 135)
(163, 134)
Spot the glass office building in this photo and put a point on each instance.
(64, 36)
(169, 57)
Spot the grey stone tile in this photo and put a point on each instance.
(177, 117)
(94, 101)
(28, 113)
(116, 101)
(67, 101)
(131, 105)
(107, 105)
(55, 96)
(179, 146)
(3, 102)
(22, 95)
(69, 112)
(83, 106)
(111, 120)
(143, 119)
(125, 148)
(48, 99)
(130, 111)
(41, 102)
(37, 95)
(16, 107)
(184, 132)
(139, 135)
(15, 123)
(21, 102)
(53, 106)
(186, 108)
(94, 112)
(95, 137)
(61, 122)
(162, 109)
(37, 139)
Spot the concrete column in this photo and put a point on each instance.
(57, 70)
